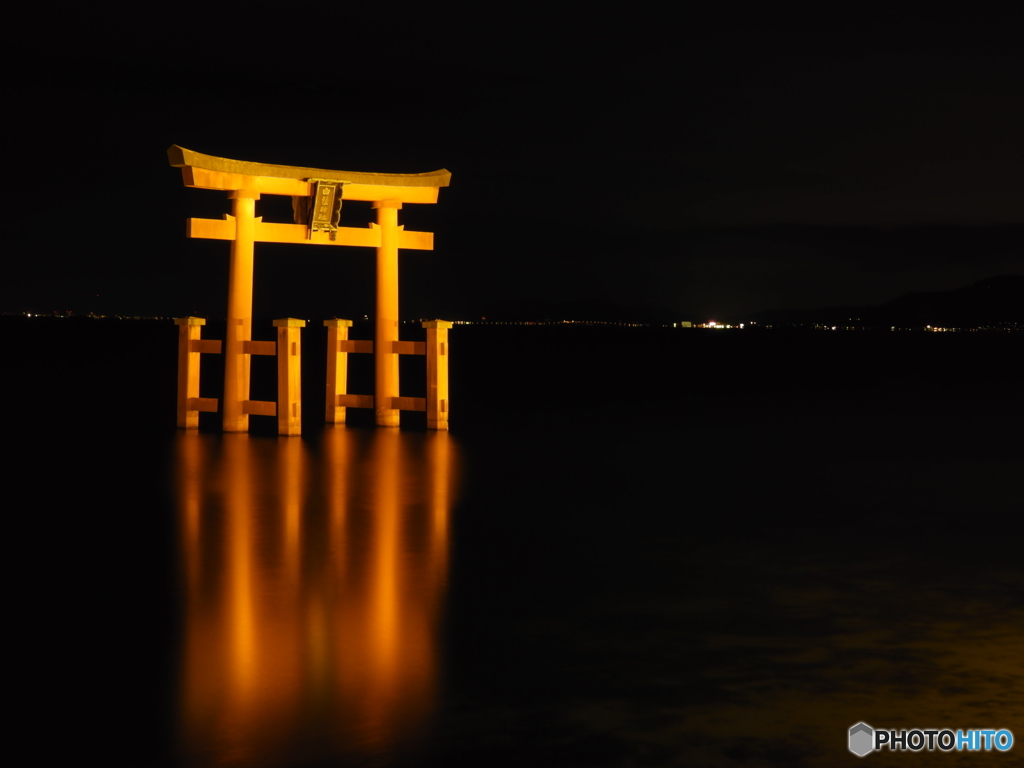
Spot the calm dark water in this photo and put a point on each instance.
(635, 547)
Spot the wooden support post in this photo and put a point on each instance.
(190, 347)
(189, 329)
(437, 373)
(337, 369)
(239, 329)
(386, 319)
(289, 378)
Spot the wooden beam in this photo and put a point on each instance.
(180, 157)
(410, 347)
(355, 401)
(211, 229)
(207, 346)
(201, 178)
(299, 233)
(259, 407)
(415, 241)
(270, 232)
(259, 347)
(355, 345)
(409, 403)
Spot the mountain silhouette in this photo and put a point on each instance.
(995, 300)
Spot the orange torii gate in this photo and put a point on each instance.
(316, 195)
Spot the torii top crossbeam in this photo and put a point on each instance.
(209, 172)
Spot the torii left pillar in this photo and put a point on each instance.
(239, 329)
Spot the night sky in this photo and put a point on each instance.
(706, 169)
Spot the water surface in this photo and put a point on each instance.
(630, 550)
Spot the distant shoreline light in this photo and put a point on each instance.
(1007, 327)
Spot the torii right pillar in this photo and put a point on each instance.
(385, 362)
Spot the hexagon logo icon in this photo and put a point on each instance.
(862, 737)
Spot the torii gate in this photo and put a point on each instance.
(316, 202)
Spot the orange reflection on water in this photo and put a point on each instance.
(313, 576)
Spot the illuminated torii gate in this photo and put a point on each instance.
(316, 202)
